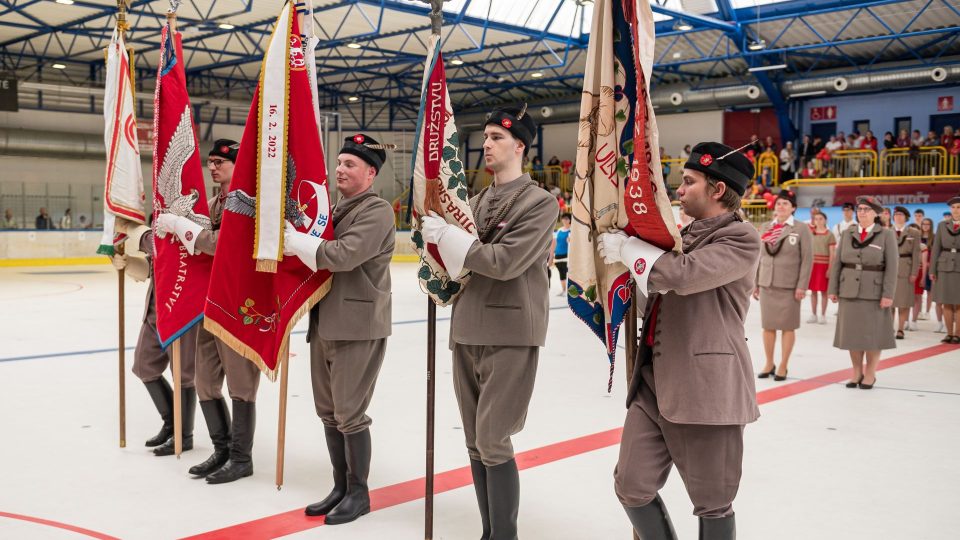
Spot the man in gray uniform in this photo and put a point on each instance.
(232, 441)
(500, 319)
(692, 390)
(150, 360)
(349, 327)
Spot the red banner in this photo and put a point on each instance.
(891, 195)
(253, 312)
(180, 279)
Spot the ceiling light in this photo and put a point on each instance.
(677, 54)
(353, 45)
(767, 68)
(536, 74)
(59, 66)
(758, 45)
(65, 2)
(457, 62)
(809, 94)
(226, 26)
(682, 26)
(353, 99)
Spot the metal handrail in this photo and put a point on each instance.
(932, 159)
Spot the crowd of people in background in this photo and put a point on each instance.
(44, 222)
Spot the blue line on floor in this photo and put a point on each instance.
(113, 349)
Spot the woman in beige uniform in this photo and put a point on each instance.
(945, 271)
(863, 279)
(908, 248)
(782, 279)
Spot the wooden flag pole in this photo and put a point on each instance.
(121, 350)
(431, 408)
(631, 337)
(282, 420)
(177, 401)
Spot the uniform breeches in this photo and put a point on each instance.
(344, 374)
(150, 360)
(493, 386)
(216, 360)
(708, 457)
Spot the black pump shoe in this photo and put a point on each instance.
(765, 374)
(854, 384)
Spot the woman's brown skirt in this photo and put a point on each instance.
(863, 326)
(779, 309)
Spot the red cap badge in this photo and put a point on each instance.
(706, 160)
(358, 139)
(506, 123)
(188, 235)
(639, 266)
(224, 149)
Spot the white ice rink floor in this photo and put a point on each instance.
(822, 462)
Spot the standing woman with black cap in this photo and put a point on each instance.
(786, 261)
(908, 245)
(945, 271)
(863, 279)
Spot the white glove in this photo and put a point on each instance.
(453, 247)
(432, 227)
(186, 230)
(634, 253)
(610, 245)
(119, 262)
(303, 245)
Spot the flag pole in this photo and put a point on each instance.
(177, 401)
(282, 420)
(121, 312)
(631, 346)
(436, 24)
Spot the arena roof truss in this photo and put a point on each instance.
(371, 52)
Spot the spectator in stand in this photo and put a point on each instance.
(755, 145)
(805, 153)
(842, 139)
(954, 155)
(809, 171)
(821, 162)
(562, 242)
(833, 145)
(769, 144)
(818, 144)
(824, 243)
(766, 173)
(870, 142)
(685, 153)
(916, 139)
(9, 222)
(888, 141)
(848, 210)
(932, 139)
(83, 223)
(554, 162)
(857, 141)
(554, 170)
(44, 222)
(66, 222)
(903, 140)
(946, 140)
(788, 162)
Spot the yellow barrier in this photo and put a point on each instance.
(902, 162)
(850, 163)
(673, 176)
(885, 180)
(756, 211)
(770, 161)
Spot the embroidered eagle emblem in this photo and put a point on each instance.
(169, 179)
(241, 202)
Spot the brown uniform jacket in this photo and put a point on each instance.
(207, 240)
(945, 256)
(701, 368)
(908, 248)
(358, 306)
(787, 263)
(506, 302)
(867, 272)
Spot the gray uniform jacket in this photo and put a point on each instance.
(945, 256)
(358, 306)
(866, 271)
(506, 302)
(787, 263)
(701, 369)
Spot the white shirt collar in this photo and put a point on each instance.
(861, 229)
(789, 221)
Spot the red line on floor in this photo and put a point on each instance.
(55, 524)
(295, 521)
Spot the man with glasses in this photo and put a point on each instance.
(232, 440)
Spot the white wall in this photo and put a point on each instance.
(678, 130)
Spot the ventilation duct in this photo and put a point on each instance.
(25, 142)
(889, 80)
